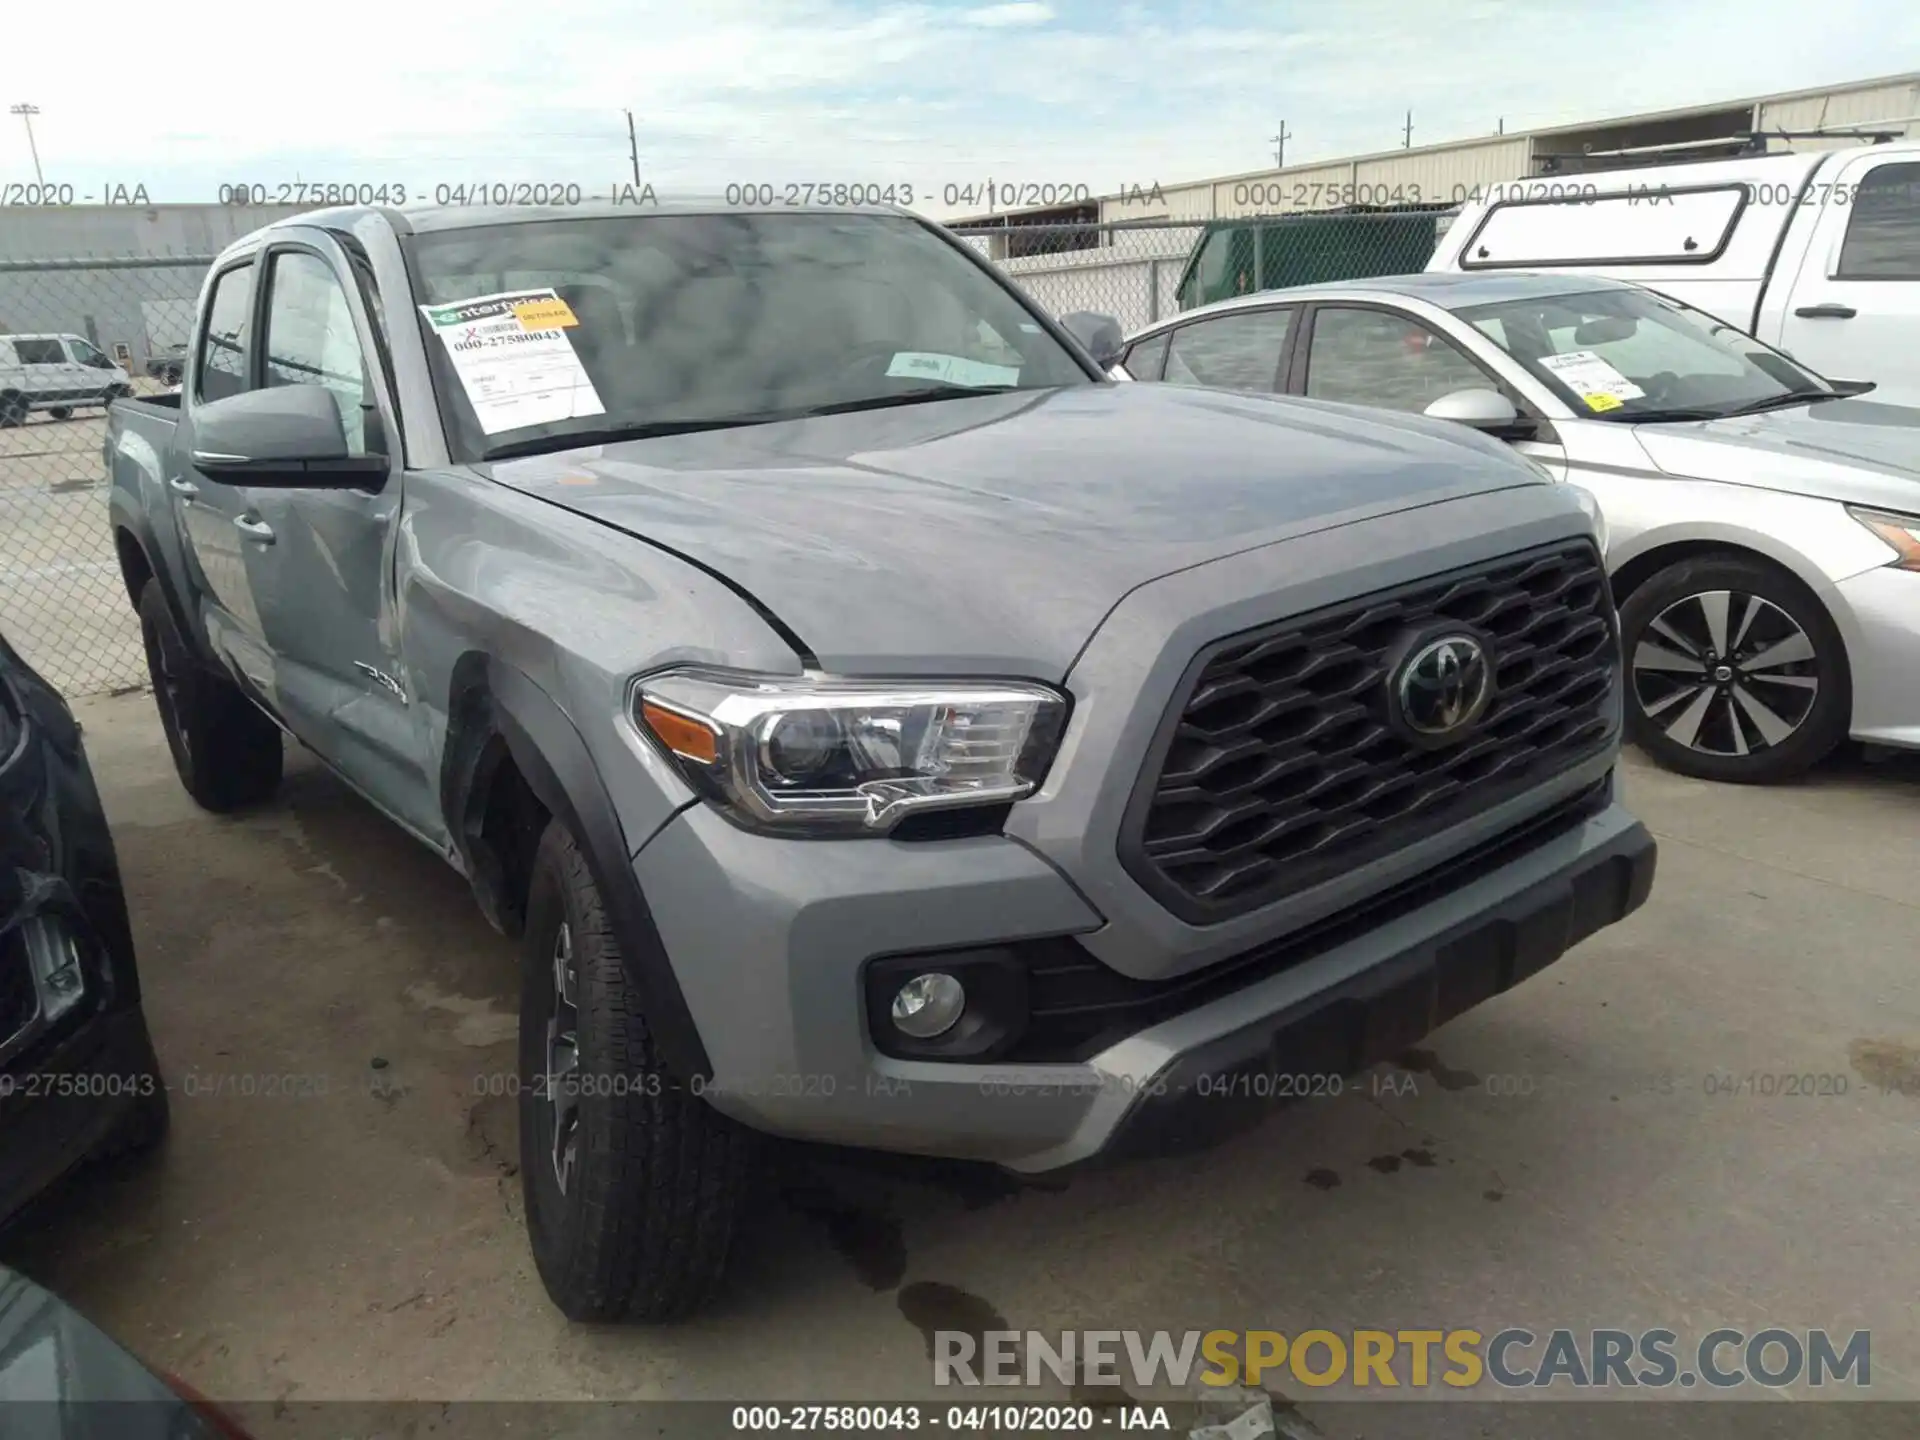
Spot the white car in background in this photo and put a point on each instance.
(1764, 523)
(56, 373)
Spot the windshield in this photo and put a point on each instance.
(554, 333)
(1636, 356)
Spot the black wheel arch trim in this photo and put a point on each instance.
(124, 518)
(495, 711)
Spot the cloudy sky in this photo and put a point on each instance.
(927, 93)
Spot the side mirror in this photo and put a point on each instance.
(1481, 409)
(1100, 335)
(287, 436)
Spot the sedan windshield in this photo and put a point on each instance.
(549, 334)
(1636, 356)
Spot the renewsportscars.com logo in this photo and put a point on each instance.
(1512, 1358)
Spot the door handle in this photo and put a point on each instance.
(254, 529)
(186, 489)
(1826, 312)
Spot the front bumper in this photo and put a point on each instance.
(1882, 619)
(769, 938)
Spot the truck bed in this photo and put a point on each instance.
(162, 407)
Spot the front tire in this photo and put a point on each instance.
(61, 412)
(633, 1186)
(1735, 671)
(226, 752)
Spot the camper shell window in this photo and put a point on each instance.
(1649, 225)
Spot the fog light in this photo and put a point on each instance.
(928, 1005)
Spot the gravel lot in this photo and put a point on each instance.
(1553, 1158)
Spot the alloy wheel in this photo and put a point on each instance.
(1725, 673)
(563, 1059)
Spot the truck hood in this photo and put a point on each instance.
(991, 534)
(1857, 451)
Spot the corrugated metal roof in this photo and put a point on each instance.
(1181, 190)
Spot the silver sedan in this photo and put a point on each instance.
(1764, 523)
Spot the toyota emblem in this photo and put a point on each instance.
(1443, 686)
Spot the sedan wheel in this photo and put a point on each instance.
(1725, 673)
(1734, 672)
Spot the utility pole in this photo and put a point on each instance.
(633, 148)
(1407, 142)
(1280, 147)
(1500, 126)
(26, 113)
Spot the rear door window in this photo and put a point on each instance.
(223, 352)
(1231, 352)
(1883, 229)
(1144, 360)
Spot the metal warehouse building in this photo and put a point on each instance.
(124, 276)
(1446, 173)
(1125, 255)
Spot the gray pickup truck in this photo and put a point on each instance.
(877, 726)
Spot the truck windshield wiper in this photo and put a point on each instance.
(919, 395)
(610, 434)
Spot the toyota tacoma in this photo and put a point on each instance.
(876, 726)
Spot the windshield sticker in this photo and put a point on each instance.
(1598, 401)
(553, 314)
(1585, 373)
(514, 360)
(952, 369)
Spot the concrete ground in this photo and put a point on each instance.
(1580, 1152)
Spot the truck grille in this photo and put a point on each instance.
(1277, 766)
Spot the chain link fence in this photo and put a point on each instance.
(74, 332)
(1141, 271)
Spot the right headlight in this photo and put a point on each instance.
(1902, 532)
(822, 755)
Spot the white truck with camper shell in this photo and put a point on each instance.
(1816, 254)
